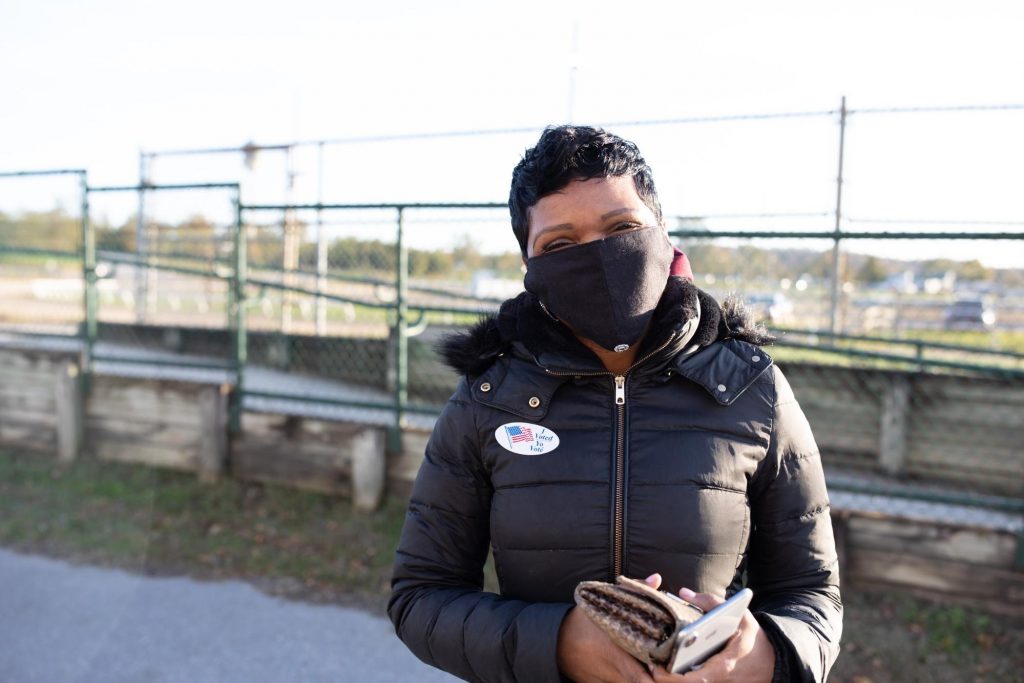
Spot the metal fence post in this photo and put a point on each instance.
(321, 247)
(141, 244)
(836, 270)
(89, 276)
(401, 335)
(238, 304)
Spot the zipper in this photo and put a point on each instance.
(619, 514)
(619, 502)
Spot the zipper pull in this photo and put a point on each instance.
(620, 390)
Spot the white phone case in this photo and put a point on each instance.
(707, 635)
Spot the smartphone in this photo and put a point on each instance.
(708, 635)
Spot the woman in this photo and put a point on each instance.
(612, 420)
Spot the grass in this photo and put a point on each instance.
(982, 341)
(892, 638)
(290, 542)
(313, 547)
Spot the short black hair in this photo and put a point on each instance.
(567, 153)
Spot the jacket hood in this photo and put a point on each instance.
(522, 326)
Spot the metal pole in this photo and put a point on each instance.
(291, 249)
(321, 247)
(573, 67)
(401, 338)
(238, 313)
(837, 275)
(141, 243)
(89, 276)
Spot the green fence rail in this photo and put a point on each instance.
(307, 322)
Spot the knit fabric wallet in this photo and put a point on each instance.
(639, 619)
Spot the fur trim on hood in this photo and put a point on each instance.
(521, 320)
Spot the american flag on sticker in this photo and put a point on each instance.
(517, 433)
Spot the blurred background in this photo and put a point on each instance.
(231, 235)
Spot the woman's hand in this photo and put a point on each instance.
(748, 656)
(587, 655)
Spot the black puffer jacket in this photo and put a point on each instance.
(697, 463)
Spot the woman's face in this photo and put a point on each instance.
(583, 211)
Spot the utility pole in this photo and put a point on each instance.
(141, 242)
(573, 67)
(321, 247)
(837, 275)
(291, 248)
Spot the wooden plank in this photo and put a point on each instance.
(26, 378)
(146, 400)
(993, 606)
(17, 436)
(991, 481)
(318, 455)
(837, 423)
(1000, 436)
(29, 402)
(892, 442)
(932, 539)
(334, 456)
(966, 455)
(309, 430)
(837, 381)
(971, 415)
(845, 403)
(144, 454)
(256, 423)
(129, 430)
(857, 460)
(368, 468)
(69, 413)
(261, 461)
(999, 588)
(144, 393)
(38, 388)
(36, 419)
(213, 437)
(999, 483)
(174, 386)
(866, 442)
(42, 362)
(970, 390)
(976, 454)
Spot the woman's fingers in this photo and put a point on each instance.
(654, 580)
(705, 601)
(662, 675)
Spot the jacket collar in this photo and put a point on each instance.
(726, 369)
(685, 326)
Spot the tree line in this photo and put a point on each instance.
(198, 237)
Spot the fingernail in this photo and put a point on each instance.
(652, 577)
(687, 594)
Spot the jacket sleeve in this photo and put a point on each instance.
(792, 568)
(437, 603)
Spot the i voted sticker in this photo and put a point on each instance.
(525, 438)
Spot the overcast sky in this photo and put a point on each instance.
(88, 83)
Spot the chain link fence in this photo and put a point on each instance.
(41, 263)
(345, 303)
(163, 284)
(903, 338)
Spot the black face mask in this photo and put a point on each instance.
(605, 290)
